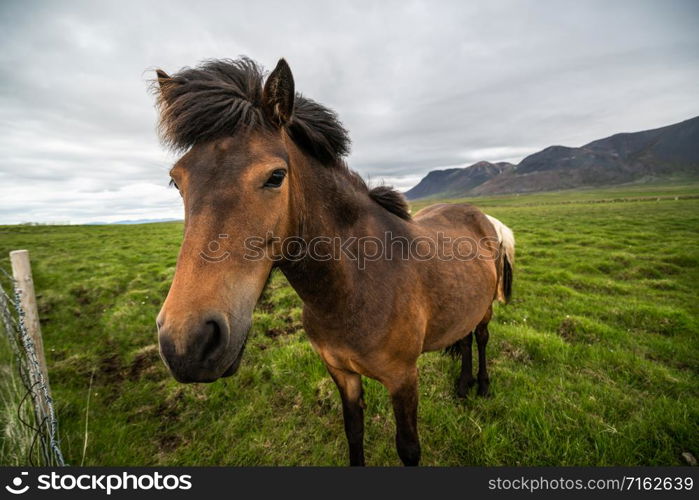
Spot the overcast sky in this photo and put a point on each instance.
(420, 85)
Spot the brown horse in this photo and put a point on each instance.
(265, 185)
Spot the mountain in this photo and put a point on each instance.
(457, 180)
(665, 152)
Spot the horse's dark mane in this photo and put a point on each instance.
(392, 200)
(389, 198)
(221, 97)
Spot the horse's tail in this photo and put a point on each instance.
(506, 259)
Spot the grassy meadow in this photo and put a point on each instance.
(594, 362)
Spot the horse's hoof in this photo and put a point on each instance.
(484, 390)
(462, 389)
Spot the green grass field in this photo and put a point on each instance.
(595, 361)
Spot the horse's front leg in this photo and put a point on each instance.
(350, 387)
(404, 399)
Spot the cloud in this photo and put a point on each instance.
(420, 85)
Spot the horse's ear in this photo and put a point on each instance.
(163, 78)
(278, 95)
(164, 84)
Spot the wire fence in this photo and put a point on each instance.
(45, 448)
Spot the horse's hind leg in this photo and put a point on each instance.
(482, 336)
(466, 380)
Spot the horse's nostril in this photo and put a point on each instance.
(197, 352)
(213, 339)
(167, 347)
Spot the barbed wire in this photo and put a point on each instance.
(45, 424)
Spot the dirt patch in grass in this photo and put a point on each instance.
(146, 364)
(82, 295)
(265, 306)
(576, 330)
(567, 329)
(289, 327)
(169, 442)
(278, 332)
(512, 352)
(169, 409)
(109, 369)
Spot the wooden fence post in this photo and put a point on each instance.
(22, 273)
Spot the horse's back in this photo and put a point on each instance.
(462, 218)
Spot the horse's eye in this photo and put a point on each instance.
(174, 184)
(275, 180)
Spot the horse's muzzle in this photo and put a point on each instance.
(201, 352)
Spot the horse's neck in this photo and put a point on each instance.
(344, 214)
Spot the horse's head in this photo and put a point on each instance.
(235, 183)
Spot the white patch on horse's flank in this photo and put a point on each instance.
(506, 238)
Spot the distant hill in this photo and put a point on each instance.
(131, 221)
(665, 152)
